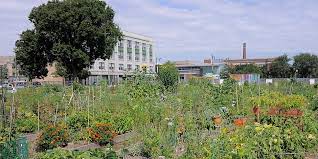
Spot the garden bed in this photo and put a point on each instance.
(195, 120)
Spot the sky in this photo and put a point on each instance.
(197, 29)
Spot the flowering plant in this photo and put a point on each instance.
(52, 136)
(101, 133)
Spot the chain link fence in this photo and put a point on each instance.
(14, 149)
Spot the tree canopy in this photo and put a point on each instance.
(244, 69)
(4, 71)
(71, 33)
(280, 68)
(306, 65)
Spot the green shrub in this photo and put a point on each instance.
(168, 75)
(142, 86)
(77, 121)
(27, 125)
(53, 88)
(123, 124)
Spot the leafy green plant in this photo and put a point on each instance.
(142, 86)
(122, 124)
(77, 120)
(26, 125)
(27, 121)
(168, 75)
(151, 147)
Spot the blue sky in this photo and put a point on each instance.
(195, 29)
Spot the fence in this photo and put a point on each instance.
(301, 80)
(242, 78)
(15, 149)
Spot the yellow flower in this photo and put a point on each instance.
(310, 136)
(238, 146)
(275, 141)
(259, 129)
(224, 130)
(267, 126)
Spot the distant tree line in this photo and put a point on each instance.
(303, 65)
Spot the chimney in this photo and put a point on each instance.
(244, 50)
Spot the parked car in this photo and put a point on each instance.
(20, 84)
(36, 84)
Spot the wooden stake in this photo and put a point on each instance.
(89, 92)
(56, 110)
(236, 98)
(38, 116)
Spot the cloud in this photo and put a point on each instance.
(200, 28)
(186, 29)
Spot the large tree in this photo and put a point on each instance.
(72, 33)
(280, 67)
(30, 55)
(306, 65)
(240, 69)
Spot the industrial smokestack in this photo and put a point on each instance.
(244, 50)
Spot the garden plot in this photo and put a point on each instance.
(141, 118)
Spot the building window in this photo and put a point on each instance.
(137, 67)
(121, 55)
(150, 53)
(129, 44)
(121, 50)
(151, 68)
(101, 65)
(129, 67)
(137, 51)
(121, 67)
(129, 56)
(137, 56)
(144, 52)
(111, 66)
(129, 50)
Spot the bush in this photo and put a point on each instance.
(26, 122)
(53, 88)
(77, 120)
(27, 125)
(123, 124)
(101, 133)
(142, 86)
(168, 75)
(52, 137)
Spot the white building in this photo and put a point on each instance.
(130, 54)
